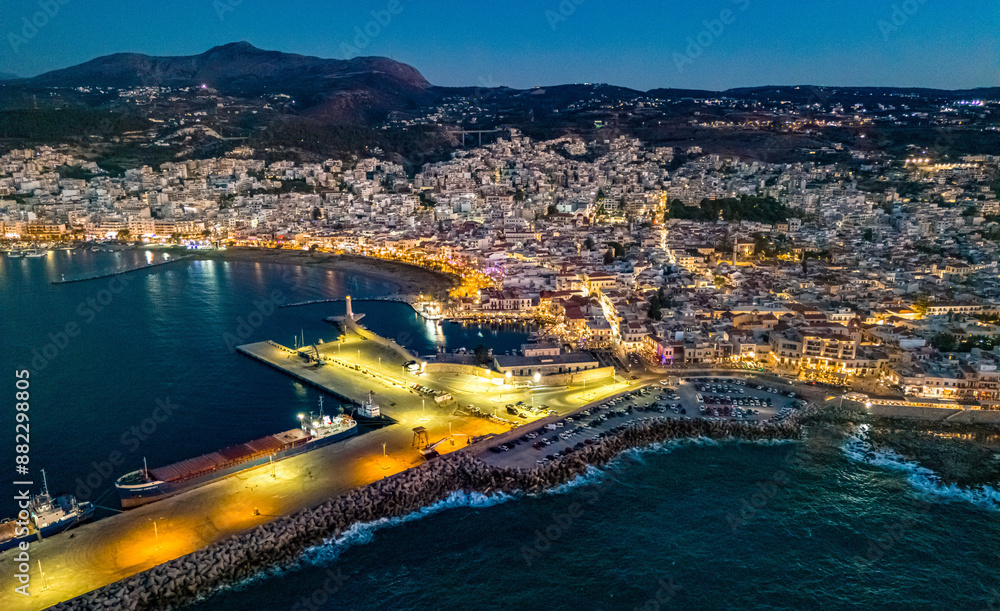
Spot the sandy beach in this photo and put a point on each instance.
(408, 279)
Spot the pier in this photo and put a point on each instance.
(118, 547)
(122, 271)
(394, 298)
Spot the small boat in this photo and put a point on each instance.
(32, 254)
(47, 516)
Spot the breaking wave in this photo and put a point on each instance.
(858, 448)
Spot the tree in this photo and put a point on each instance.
(589, 243)
(123, 234)
(869, 235)
(609, 256)
(805, 264)
(655, 309)
(945, 342)
(720, 282)
(482, 354)
(920, 305)
(761, 245)
(552, 209)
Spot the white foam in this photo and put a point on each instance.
(858, 448)
(361, 533)
(591, 476)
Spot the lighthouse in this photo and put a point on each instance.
(349, 313)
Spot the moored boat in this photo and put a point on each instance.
(148, 485)
(47, 516)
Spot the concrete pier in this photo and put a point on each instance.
(118, 547)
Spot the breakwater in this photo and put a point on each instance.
(185, 579)
(397, 298)
(121, 271)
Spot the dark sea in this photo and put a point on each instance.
(823, 523)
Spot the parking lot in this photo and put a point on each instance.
(713, 398)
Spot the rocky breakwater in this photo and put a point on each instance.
(182, 580)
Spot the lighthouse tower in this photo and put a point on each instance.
(349, 313)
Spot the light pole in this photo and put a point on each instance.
(250, 488)
(45, 585)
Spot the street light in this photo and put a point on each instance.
(250, 488)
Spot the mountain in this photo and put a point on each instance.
(7, 76)
(363, 87)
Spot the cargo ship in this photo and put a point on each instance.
(149, 485)
(47, 516)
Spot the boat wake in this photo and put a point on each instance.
(858, 448)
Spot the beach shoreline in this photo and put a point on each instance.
(408, 279)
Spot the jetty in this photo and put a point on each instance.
(397, 298)
(169, 552)
(281, 541)
(122, 271)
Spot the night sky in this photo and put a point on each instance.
(951, 44)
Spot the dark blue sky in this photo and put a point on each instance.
(928, 43)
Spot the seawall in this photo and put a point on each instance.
(189, 577)
(937, 414)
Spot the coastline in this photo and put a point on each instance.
(960, 454)
(408, 279)
(196, 575)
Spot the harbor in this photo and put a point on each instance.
(115, 548)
